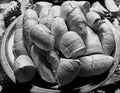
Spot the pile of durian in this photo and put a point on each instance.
(62, 42)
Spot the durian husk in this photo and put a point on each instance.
(72, 47)
(58, 28)
(42, 37)
(107, 38)
(39, 5)
(93, 19)
(68, 70)
(93, 44)
(94, 65)
(24, 68)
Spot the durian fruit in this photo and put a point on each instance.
(107, 39)
(111, 6)
(54, 60)
(39, 5)
(42, 65)
(72, 8)
(93, 44)
(98, 8)
(19, 47)
(67, 71)
(30, 19)
(66, 8)
(72, 45)
(30, 14)
(46, 16)
(84, 6)
(77, 22)
(58, 28)
(93, 19)
(56, 10)
(41, 36)
(103, 30)
(24, 68)
(74, 17)
(94, 65)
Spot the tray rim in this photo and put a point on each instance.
(4, 62)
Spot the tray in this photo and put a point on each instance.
(7, 56)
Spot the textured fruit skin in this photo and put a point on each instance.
(24, 69)
(72, 47)
(94, 65)
(42, 37)
(59, 27)
(67, 71)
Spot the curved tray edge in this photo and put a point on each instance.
(6, 66)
